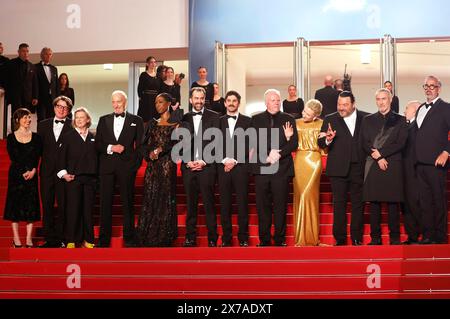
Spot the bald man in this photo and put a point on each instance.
(328, 96)
(411, 208)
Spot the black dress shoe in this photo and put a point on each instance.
(226, 244)
(356, 242)
(341, 243)
(394, 242)
(243, 243)
(281, 244)
(49, 244)
(426, 241)
(212, 243)
(410, 242)
(130, 244)
(189, 243)
(263, 244)
(375, 242)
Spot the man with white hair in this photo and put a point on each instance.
(432, 151)
(48, 88)
(274, 168)
(118, 138)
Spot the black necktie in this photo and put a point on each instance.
(234, 117)
(428, 105)
(59, 121)
(119, 114)
(197, 113)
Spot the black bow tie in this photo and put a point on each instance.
(59, 121)
(428, 105)
(197, 113)
(46, 64)
(119, 114)
(234, 117)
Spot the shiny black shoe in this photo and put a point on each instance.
(102, 245)
(243, 243)
(263, 244)
(341, 243)
(410, 242)
(130, 244)
(212, 243)
(395, 242)
(189, 243)
(356, 242)
(226, 244)
(426, 241)
(281, 244)
(50, 244)
(375, 242)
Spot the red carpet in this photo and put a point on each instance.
(308, 272)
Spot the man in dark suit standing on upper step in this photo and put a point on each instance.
(47, 75)
(118, 138)
(432, 152)
(345, 166)
(328, 96)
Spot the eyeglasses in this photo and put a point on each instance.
(59, 106)
(431, 87)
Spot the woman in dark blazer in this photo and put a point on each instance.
(65, 88)
(77, 162)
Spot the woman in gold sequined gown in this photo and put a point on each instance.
(308, 169)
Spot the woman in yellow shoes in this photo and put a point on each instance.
(77, 166)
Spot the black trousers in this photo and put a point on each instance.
(411, 207)
(272, 189)
(80, 205)
(51, 188)
(340, 187)
(393, 221)
(125, 179)
(236, 179)
(194, 182)
(433, 202)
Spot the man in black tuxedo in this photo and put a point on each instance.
(432, 151)
(345, 166)
(51, 131)
(328, 96)
(273, 168)
(198, 171)
(233, 170)
(21, 81)
(47, 76)
(411, 207)
(3, 62)
(118, 138)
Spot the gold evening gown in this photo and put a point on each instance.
(308, 168)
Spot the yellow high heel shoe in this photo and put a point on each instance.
(70, 245)
(88, 245)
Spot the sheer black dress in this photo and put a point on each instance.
(158, 220)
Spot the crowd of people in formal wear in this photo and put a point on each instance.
(377, 158)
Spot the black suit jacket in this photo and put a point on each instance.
(286, 164)
(328, 97)
(76, 156)
(21, 88)
(343, 146)
(432, 136)
(50, 146)
(240, 142)
(3, 63)
(210, 119)
(130, 138)
(48, 91)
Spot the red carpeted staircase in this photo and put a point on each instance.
(292, 272)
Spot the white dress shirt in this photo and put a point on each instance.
(57, 128)
(48, 72)
(231, 125)
(423, 111)
(350, 121)
(119, 121)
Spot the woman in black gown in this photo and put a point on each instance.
(158, 220)
(170, 87)
(203, 83)
(148, 88)
(65, 89)
(218, 103)
(22, 199)
(293, 105)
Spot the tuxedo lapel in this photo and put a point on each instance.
(126, 126)
(344, 125)
(359, 118)
(109, 122)
(430, 112)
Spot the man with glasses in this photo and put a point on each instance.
(432, 151)
(51, 130)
